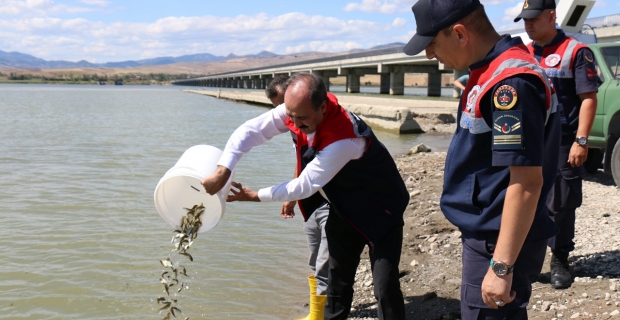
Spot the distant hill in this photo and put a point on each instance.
(17, 60)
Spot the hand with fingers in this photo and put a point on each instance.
(241, 194)
(287, 211)
(496, 291)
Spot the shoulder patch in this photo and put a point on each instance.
(507, 130)
(588, 56)
(552, 60)
(505, 97)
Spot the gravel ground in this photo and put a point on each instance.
(431, 257)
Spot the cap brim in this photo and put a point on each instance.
(528, 14)
(417, 44)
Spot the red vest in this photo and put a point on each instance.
(558, 60)
(368, 193)
(336, 118)
(514, 61)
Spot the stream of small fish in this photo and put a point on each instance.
(80, 235)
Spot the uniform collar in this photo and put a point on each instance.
(502, 45)
(557, 39)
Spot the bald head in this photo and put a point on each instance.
(305, 101)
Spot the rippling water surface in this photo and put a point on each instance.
(80, 234)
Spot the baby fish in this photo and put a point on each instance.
(161, 299)
(188, 255)
(166, 306)
(175, 308)
(163, 281)
(166, 263)
(166, 289)
(167, 317)
(184, 271)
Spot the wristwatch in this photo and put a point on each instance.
(501, 269)
(582, 141)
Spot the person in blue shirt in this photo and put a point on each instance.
(503, 157)
(570, 66)
(461, 82)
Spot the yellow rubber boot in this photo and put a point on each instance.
(317, 307)
(312, 284)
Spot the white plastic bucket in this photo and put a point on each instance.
(181, 188)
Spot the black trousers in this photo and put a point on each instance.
(345, 247)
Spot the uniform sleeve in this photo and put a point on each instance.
(586, 77)
(252, 133)
(519, 113)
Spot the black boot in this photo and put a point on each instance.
(560, 274)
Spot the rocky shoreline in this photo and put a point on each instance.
(431, 256)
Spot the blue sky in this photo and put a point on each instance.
(111, 30)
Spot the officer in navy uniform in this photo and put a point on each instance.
(570, 66)
(502, 159)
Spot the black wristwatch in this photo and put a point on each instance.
(582, 141)
(501, 269)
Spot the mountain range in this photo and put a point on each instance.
(18, 60)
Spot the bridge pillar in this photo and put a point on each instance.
(353, 83)
(248, 83)
(434, 84)
(256, 83)
(397, 83)
(384, 86)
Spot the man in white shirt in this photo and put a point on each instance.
(314, 225)
(340, 158)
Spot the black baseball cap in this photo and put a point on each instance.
(432, 16)
(533, 8)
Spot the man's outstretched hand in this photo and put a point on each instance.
(215, 182)
(242, 194)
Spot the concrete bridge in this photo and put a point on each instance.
(391, 64)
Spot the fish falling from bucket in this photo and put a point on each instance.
(182, 240)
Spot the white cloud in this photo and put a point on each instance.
(512, 12)
(75, 39)
(37, 8)
(399, 22)
(381, 6)
(100, 3)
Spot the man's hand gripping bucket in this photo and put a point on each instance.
(181, 188)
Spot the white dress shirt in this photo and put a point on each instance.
(317, 173)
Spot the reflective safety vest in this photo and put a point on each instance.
(514, 61)
(558, 62)
(368, 192)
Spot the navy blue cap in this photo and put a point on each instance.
(533, 8)
(432, 16)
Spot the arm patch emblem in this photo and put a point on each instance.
(507, 130)
(505, 97)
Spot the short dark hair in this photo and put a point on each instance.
(317, 88)
(276, 85)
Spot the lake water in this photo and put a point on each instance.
(80, 233)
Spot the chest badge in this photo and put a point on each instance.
(526, 5)
(552, 60)
(471, 97)
(505, 97)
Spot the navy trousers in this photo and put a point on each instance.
(563, 200)
(345, 247)
(477, 255)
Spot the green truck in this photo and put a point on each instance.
(604, 145)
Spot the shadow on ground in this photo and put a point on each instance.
(426, 307)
